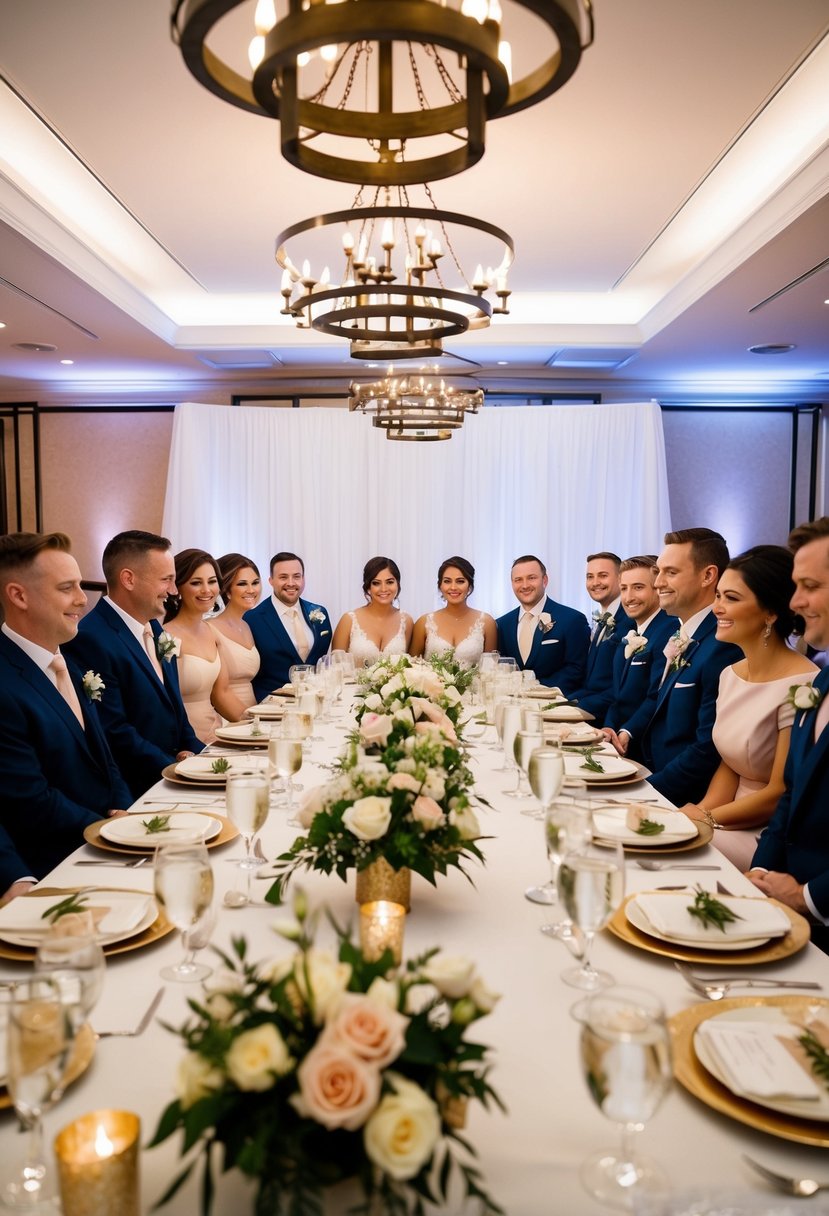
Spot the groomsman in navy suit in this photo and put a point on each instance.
(642, 646)
(287, 629)
(543, 636)
(792, 859)
(58, 774)
(671, 731)
(121, 638)
(610, 623)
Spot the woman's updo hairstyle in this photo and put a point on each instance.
(187, 563)
(229, 566)
(460, 563)
(374, 566)
(767, 572)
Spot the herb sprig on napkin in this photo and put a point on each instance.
(589, 760)
(158, 823)
(817, 1053)
(711, 911)
(72, 903)
(220, 766)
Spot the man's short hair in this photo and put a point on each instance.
(804, 534)
(647, 561)
(18, 550)
(707, 548)
(287, 557)
(529, 557)
(124, 548)
(605, 557)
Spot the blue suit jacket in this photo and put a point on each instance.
(276, 647)
(144, 720)
(796, 840)
(557, 656)
(596, 693)
(57, 778)
(671, 732)
(632, 677)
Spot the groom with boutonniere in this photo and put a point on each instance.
(287, 629)
(543, 636)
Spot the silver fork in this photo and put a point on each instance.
(652, 864)
(133, 864)
(142, 1025)
(715, 987)
(801, 1187)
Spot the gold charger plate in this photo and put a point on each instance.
(706, 834)
(83, 1049)
(158, 929)
(92, 834)
(698, 1080)
(779, 947)
(169, 774)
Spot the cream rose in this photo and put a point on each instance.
(805, 697)
(373, 701)
(401, 1135)
(375, 728)
(328, 979)
(450, 974)
(218, 992)
(368, 818)
(404, 781)
(427, 813)
(311, 805)
(466, 821)
(452, 695)
(384, 992)
(336, 1088)
(369, 1028)
(485, 999)
(426, 682)
(195, 1079)
(434, 785)
(395, 684)
(257, 1057)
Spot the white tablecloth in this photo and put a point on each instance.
(530, 1156)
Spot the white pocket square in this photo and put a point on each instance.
(678, 685)
(550, 641)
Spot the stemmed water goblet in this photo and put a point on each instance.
(298, 675)
(591, 885)
(626, 1057)
(247, 804)
(183, 884)
(285, 753)
(510, 726)
(311, 701)
(198, 935)
(77, 965)
(40, 1034)
(525, 743)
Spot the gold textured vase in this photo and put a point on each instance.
(380, 881)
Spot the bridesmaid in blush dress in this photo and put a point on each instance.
(241, 588)
(457, 627)
(199, 664)
(379, 629)
(754, 710)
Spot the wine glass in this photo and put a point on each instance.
(286, 756)
(198, 935)
(525, 743)
(488, 661)
(626, 1057)
(39, 1037)
(298, 675)
(183, 883)
(591, 885)
(310, 702)
(247, 804)
(77, 965)
(567, 828)
(510, 726)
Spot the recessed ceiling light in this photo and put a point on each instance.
(503, 362)
(3, 323)
(42, 347)
(67, 362)
(772, 348)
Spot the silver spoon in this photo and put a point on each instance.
(672, 865)
(801, 1187)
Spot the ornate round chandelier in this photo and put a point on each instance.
(419, 408)
(390, 298)
(385, 91)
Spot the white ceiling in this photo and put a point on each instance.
(658, 203)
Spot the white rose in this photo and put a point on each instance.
(407, 765)
(401, 1134)
(403, 781)
(484, 998)
(395, 684)
(373, 701)
(218, 989)
(404, 715)
(434, 786)
(311, 805)
(384, 992)
(451, 974)
(196, 1078)
(328, 978)
(451, 694)
(257, 1057)
(466, 821)
(368, 818)
(375, 728)
(804, 697)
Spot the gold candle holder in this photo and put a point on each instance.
(98, 1164)
(381, 928)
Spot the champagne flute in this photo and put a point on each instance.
(287, 760)
(626, 1057)
(546, 773)
(567, 829)
(39, 1038)
(183, 884)
(247, 803)
(591, 884)
(198, 935)
(510, 725)
(526, 742)
(77, 966)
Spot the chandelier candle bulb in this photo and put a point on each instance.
(381, 928)
(98, 1164)
(264, 18)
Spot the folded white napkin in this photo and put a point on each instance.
(125, 911)
(669, 916)
(610, 823)
(754, 1060)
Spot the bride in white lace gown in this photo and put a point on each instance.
(456, 627)
(379, 629)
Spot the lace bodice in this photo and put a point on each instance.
(364, 651)
(468, 651)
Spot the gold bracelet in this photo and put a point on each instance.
(708, 817)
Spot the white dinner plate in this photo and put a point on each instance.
(200, 768)
(182, 825)
(801, 1108)
(583, 738)
(25, 936)
(614, 767)
(271, 708)
(564, 713)
(639, 921)
(609, 825)
(240, 732)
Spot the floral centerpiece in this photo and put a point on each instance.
(396, 684)
(314, 1069)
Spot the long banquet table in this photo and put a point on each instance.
(531, 1155)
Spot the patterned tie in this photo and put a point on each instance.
(525, 636)
(300, 636)
(152, 653)
(66, 688)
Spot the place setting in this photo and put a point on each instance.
(643, 827)
(596, 767)
(141, 833)
(123, 919)
(211, 770)
(246, 734)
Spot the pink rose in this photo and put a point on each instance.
(435, 714)
(336, 1088)
(370, 1029)
(375, 728)
(403, 781)
(427, 813)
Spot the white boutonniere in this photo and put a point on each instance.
(605, 621)
(316, 616)
(674, 650)
(93, 685)
(545, 622)
(634, 642)
(167, 647)
(804, 696)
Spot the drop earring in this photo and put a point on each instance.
(767, 633)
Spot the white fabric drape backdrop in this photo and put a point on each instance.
(560, 482)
